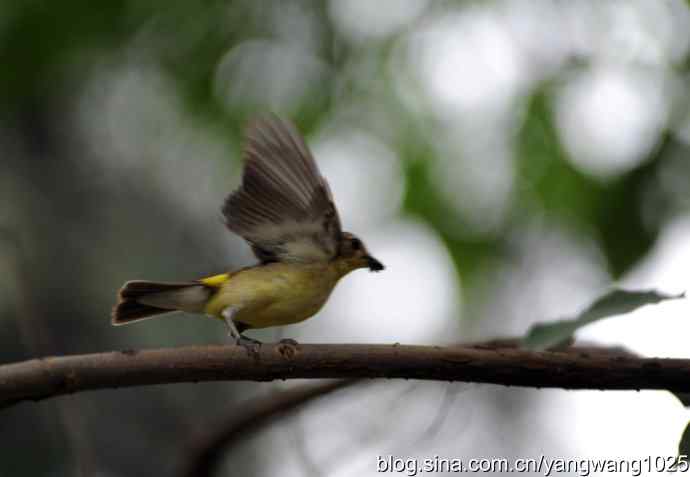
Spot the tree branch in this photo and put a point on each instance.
(206, 452)
(572, 368)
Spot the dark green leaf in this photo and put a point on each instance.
(684, 444)
(617, 302)
(684, 398)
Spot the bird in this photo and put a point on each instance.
(284, 210)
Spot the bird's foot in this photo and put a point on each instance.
(288, 341)
(251, 345)
(245, 340)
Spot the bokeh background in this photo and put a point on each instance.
(507, 160)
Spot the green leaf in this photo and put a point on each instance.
(684, 444)
(617, 302)
(684, 398)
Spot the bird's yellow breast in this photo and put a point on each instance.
(274, 294)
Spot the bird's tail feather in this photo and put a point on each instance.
(140, 300)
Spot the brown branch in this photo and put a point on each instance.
(570, 369)
(207, 451)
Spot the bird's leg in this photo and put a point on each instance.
(249, 343)
(228, 313)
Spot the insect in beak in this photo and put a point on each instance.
(373, 264)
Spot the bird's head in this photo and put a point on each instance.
(354, 254)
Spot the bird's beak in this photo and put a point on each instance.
(373, 264)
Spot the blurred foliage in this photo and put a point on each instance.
(605, 210)
(422, 199)
(684, 445)
(43, 46)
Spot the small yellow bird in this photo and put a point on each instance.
(284, 209)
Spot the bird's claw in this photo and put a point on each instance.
(251, 345)
(288, 341)
(245, 340)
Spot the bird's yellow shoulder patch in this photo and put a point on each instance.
(216, 281)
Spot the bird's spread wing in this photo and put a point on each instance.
(284, 207)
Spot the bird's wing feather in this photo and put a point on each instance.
(284, 207)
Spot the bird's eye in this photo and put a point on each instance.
(356, 244)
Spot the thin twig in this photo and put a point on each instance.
(256, 414)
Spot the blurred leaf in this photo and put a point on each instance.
(616, 302)
(619, 214)
(684, 398)
(43, 37)
(551, 184)
(549, 181)
(684, 444)
(423, 200)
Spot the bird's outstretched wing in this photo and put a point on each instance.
(284, 208)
